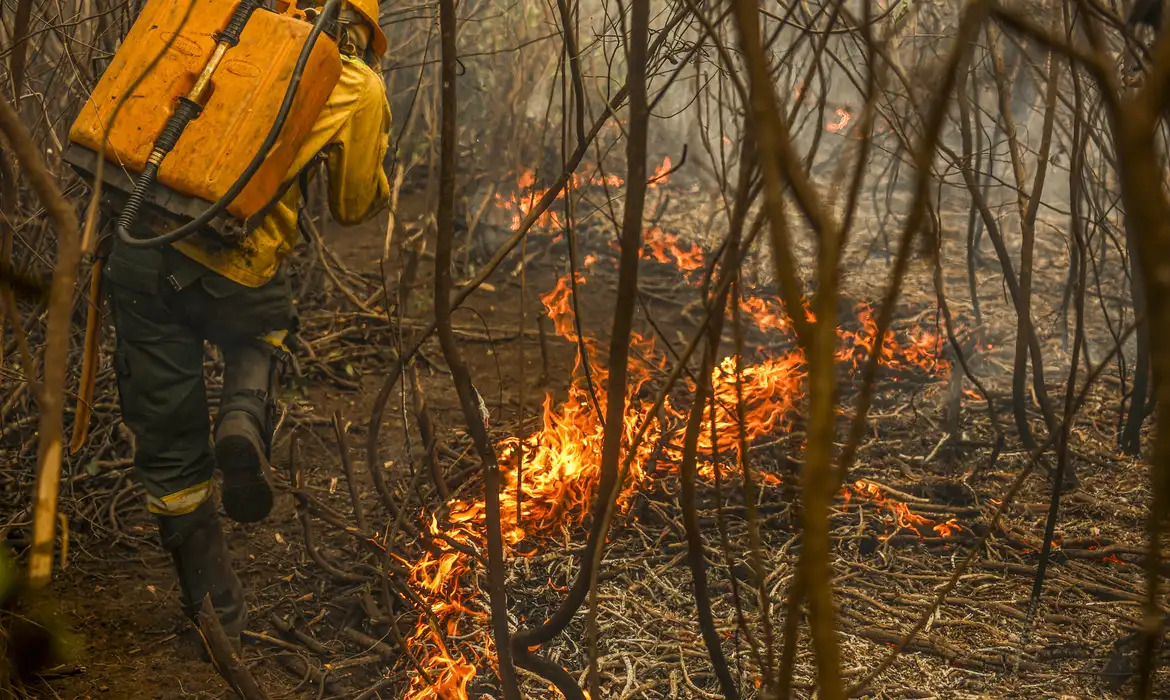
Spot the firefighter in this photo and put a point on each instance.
(167, 301)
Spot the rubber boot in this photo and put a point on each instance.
(242, 432)
(203, 564)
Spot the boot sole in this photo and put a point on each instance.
(247, 497)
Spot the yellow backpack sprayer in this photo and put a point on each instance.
(199, 117)
(209, 101)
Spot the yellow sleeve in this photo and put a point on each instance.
(355, 156)
(353, 132)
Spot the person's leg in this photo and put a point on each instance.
(243, 428)
(203, 563)
(159, 363)
(250, 326)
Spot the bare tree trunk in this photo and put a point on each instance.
(1028, 206)
(1140, 171)
(1131, 435)
(819, 340)
(468, 396)
(627, 286)
(688, 469)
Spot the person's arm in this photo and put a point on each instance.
(358, 186)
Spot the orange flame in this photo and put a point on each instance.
(561, 460)
(523, 199)
(903, 516)
(843, 119)
(661, 172)
(767, 317)
(664, 248)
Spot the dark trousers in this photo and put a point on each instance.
(164, 307)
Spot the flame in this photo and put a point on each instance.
(524, 197)
(923, 351)
(947, 529)
(661, 172)
(843, 119)
(556, 469)
(664, 248)
(903, 516)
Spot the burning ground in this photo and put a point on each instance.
(370, 579)
(332, 612)
(551, 476)
(923, 514)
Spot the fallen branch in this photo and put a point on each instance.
(224, 657)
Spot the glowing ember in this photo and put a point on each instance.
(561, 460)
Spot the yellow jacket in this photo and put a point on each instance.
(353, 131)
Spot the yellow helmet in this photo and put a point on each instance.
(370, 11)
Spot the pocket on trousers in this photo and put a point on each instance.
(134, 269)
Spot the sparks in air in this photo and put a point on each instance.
(556, 469)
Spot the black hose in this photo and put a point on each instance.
(150, 173)
(184, 113)
(231, 33)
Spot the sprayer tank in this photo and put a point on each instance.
(158, 63)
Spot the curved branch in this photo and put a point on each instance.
(56, 358)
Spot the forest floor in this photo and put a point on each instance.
(919, 498)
